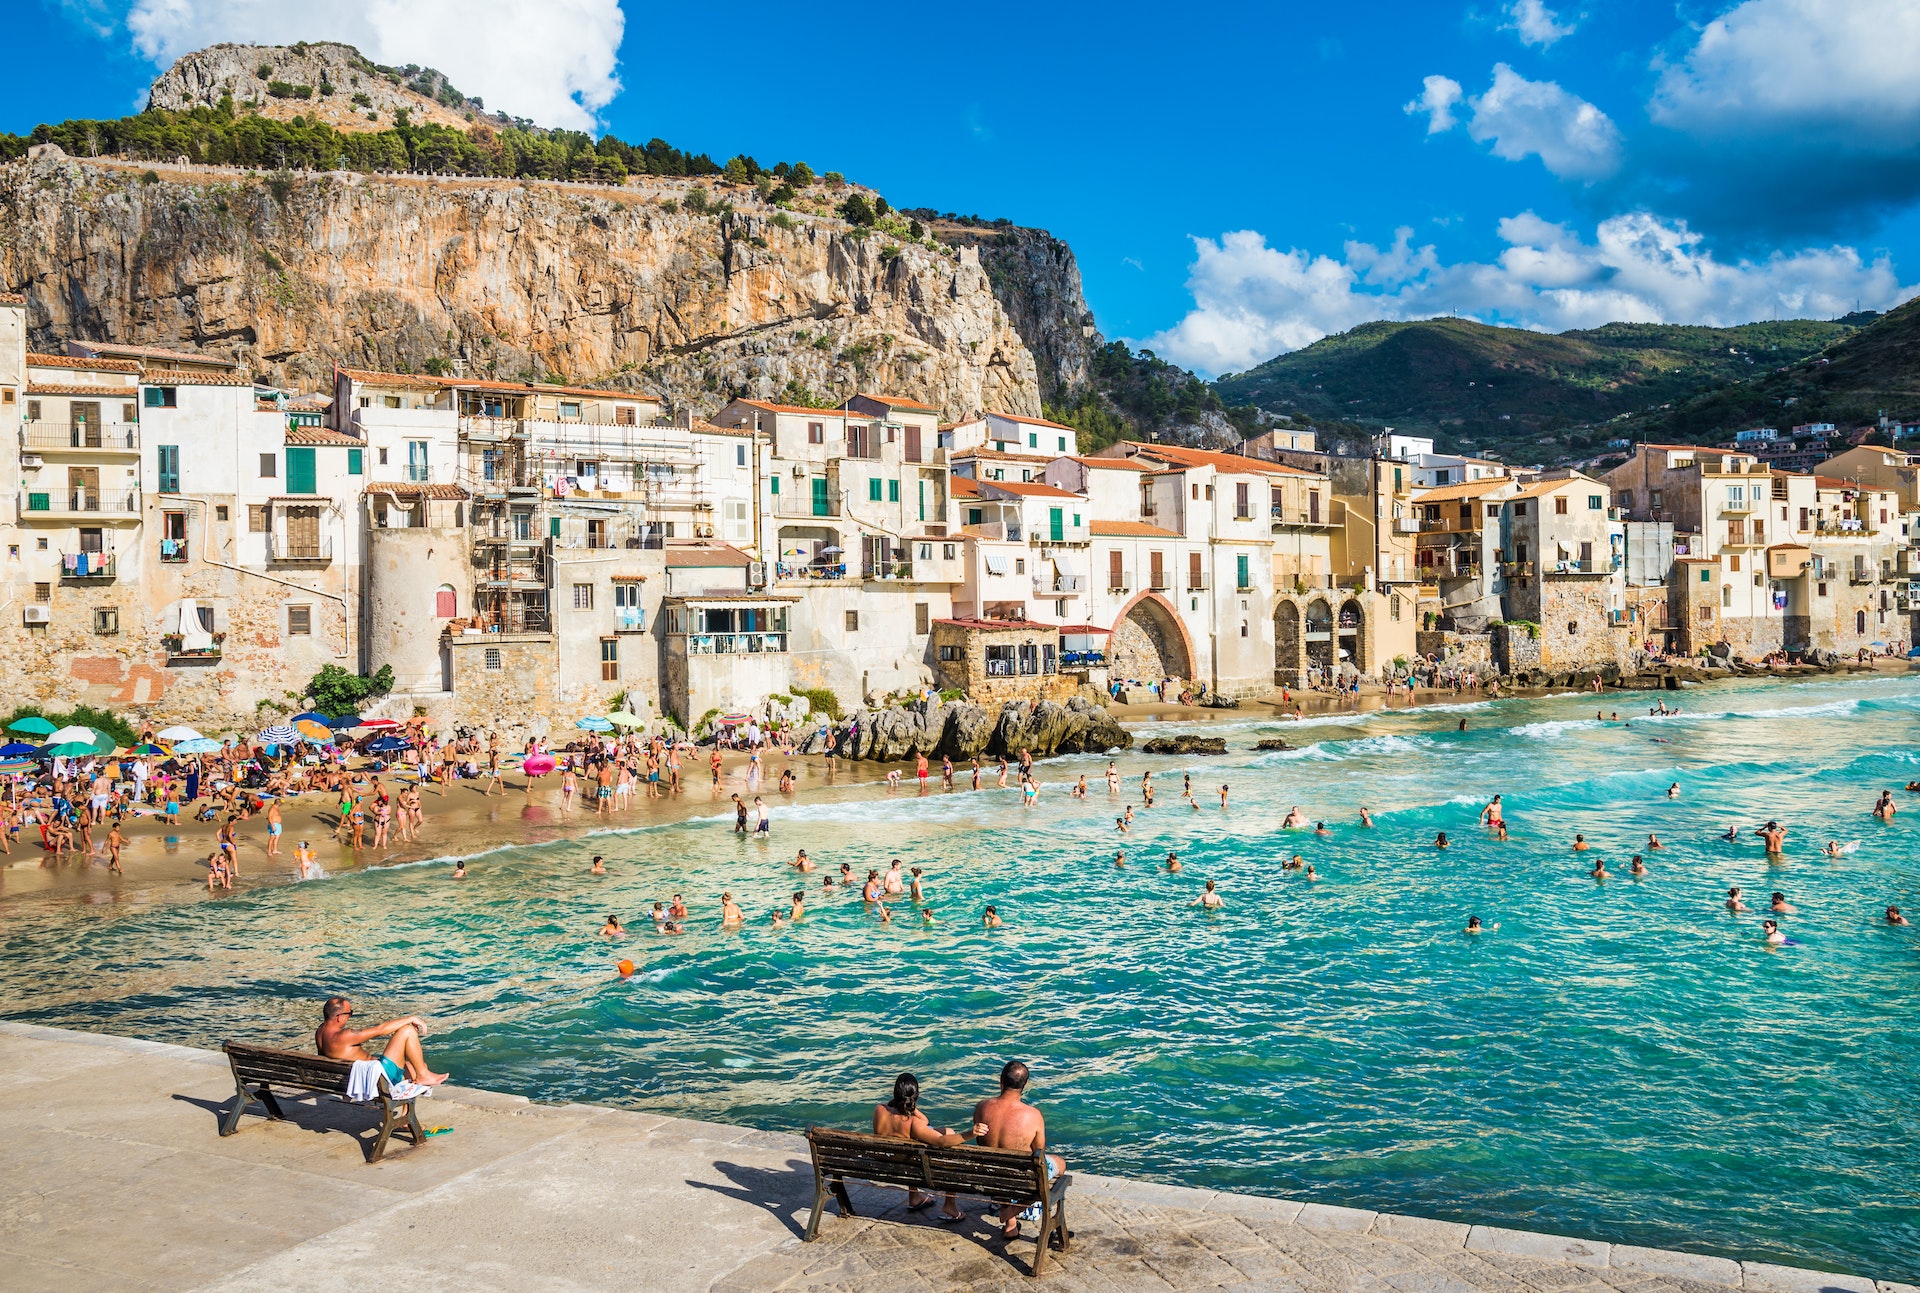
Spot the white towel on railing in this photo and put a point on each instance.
(363, 1084)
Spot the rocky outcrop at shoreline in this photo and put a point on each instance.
(963, 730)
(1185, 745)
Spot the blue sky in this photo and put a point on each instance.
(1235, 181)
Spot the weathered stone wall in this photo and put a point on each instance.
(517, 699)
(404, 568)
(1575, 629)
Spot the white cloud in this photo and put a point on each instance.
(1536, 24)
(1252, 301)
(1521, 118)
(1842, 71)
(1437, 97)
(550, 60)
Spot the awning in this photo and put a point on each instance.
(996, 565)
(742, 603)
(1083, 628)
(629, 579)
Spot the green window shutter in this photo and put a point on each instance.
(1706, 576)
(822, 505)
(301, 476)
(356, 462)
(1076, 520)
(873, 490)
(169, 461)
(893, 491)
(773, 484)
(1244, 572)
(553, 527)
(1056, 525)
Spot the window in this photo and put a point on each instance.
(491, 661)
(1726, 596)
(1033, 440)
(1733, 562)
(162, 397)
(1706, 576)
(1242, 502)
(625, 416)
(1056, 525)
(816, 433)
(256, 518)
(1573, 628)
(299, 621)
(873, 490)
(946, 552)
(1859, 621)
(1243, 628)
(583, 597)
(922, 617)
(1393, 603)
(853, 621)
(40, 544)
(1196, 493)
(33, 410)
(1493, 510)
(43, 592)
(1706, 614)
(1559, 507)
(220, 512)
(949, 653)
(269, 467)
(1823, 590)
(446, 603)
(1116, 575)
(383, 455)
(128, 412)
(1063, 444)
(570, 409)
(302, 475)
(417, 460)
(1586, 556)
(1520, 551)
(1596, 501)
(1655, 497)
(1243, 571)
(1019, 565)
(390, 401)
(739, 455)
(169, 462)
(893, 491)
(609, 659)
(106, 619)
(1520, 508)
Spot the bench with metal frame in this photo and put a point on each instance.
(1004, 1176)
(258, 1069)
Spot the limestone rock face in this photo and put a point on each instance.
(969, 727)
(961, 730)
(514, 278)
(201, 79)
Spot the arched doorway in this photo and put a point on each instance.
(1147, 644)
(1354, 647)
(1289, 662)
(1321, 649)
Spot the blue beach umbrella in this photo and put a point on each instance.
(18, 749)
(200, 745)
(592, 723)
(343, 721)
(386, 745)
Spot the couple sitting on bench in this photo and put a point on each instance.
(1005, 1121)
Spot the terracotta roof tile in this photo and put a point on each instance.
(1130, 530)
(64, 388)
(715, 556)
(895, 402)
(1029, 489)
(12, 298)
(410, 381)
(403, 490)
(1465, 489)
(1000, 626)
(794, 408)
(81, 364)
(164, 377)
(1112, 464)
(323, 436)
(155, 352)
(1229, 462)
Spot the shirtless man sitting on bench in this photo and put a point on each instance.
(337, 1039)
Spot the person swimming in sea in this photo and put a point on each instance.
(1440, 840)
(612, 929)
(1884, 809)
(1580, 844)
(1491, 815)
(1637, 867)
(1833, 849)
(1320, 828)
(1120, 860)
(1475, 927)
(1778, 904)
(1895, 918)
(1733, 900)
(1294, 818)
(1310, 875)
(1173, 862)
(460, 870)
(1731, 834)
(1774, 936)
(990, 919)
(1366, 818)
(1673, 791)
(599, 866)
(1600, 871)
(1653, 842)
(1774, 835)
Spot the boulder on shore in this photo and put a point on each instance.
(1185, 745)
(1272, 743)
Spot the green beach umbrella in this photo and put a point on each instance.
(34, 726)
(102, 743)
(623, 718)
(69, 750)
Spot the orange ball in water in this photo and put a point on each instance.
(625, 968)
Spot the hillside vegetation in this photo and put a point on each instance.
(1532, 395)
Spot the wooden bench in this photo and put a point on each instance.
(1005, 1176)
(258, 1069)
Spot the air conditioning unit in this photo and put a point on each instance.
(31, 461)
(37, 614)
(757, 574)
(703, 531)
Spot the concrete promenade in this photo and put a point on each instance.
(115, 1176)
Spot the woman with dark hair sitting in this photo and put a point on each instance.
(901, 1119)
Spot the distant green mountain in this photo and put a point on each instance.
(1533, 395)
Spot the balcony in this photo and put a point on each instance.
(736, 643)
(60, 505)
(1083, 659)
(1196, 583)
(808, 571)
(1159, 582)
(1058, 586)
(629, 619)
(76, 566)
(1605, 567)
(1406, 525)
(799, 506)
(1739, 509)
(1287, 518)
(892, 570)
(1125, 584)
(1149, 508)
(173, 552)
(81, 437)
(174, 645)
(486, 430)
(286, 552)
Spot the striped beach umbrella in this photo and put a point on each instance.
(592, 723)
(278, 734)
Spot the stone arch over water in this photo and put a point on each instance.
(1352, 635)
(1149, 642)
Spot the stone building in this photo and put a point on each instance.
(1000, 660)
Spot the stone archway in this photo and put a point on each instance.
(1353, 637)
(1289, 646)
(1322, 650)
(1149, 643)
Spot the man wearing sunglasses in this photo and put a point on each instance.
(338, 1039)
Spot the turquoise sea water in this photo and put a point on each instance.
(1622, 1060)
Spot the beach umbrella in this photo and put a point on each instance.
(179, 734)
(376, 724)
(386, 745)
(538, 765)
(13, 767)
(311, 716)
(17, 749)
(344, 721)
(278, 734)
(592, 724)
(34, 726)
(145, 747)
(198, 745)
(318, 733)
(67, 749)
(72, 732)
(102, 743)
(622, 718)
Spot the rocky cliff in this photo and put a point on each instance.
(321, 81)
(522, 278)
(511, 277)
